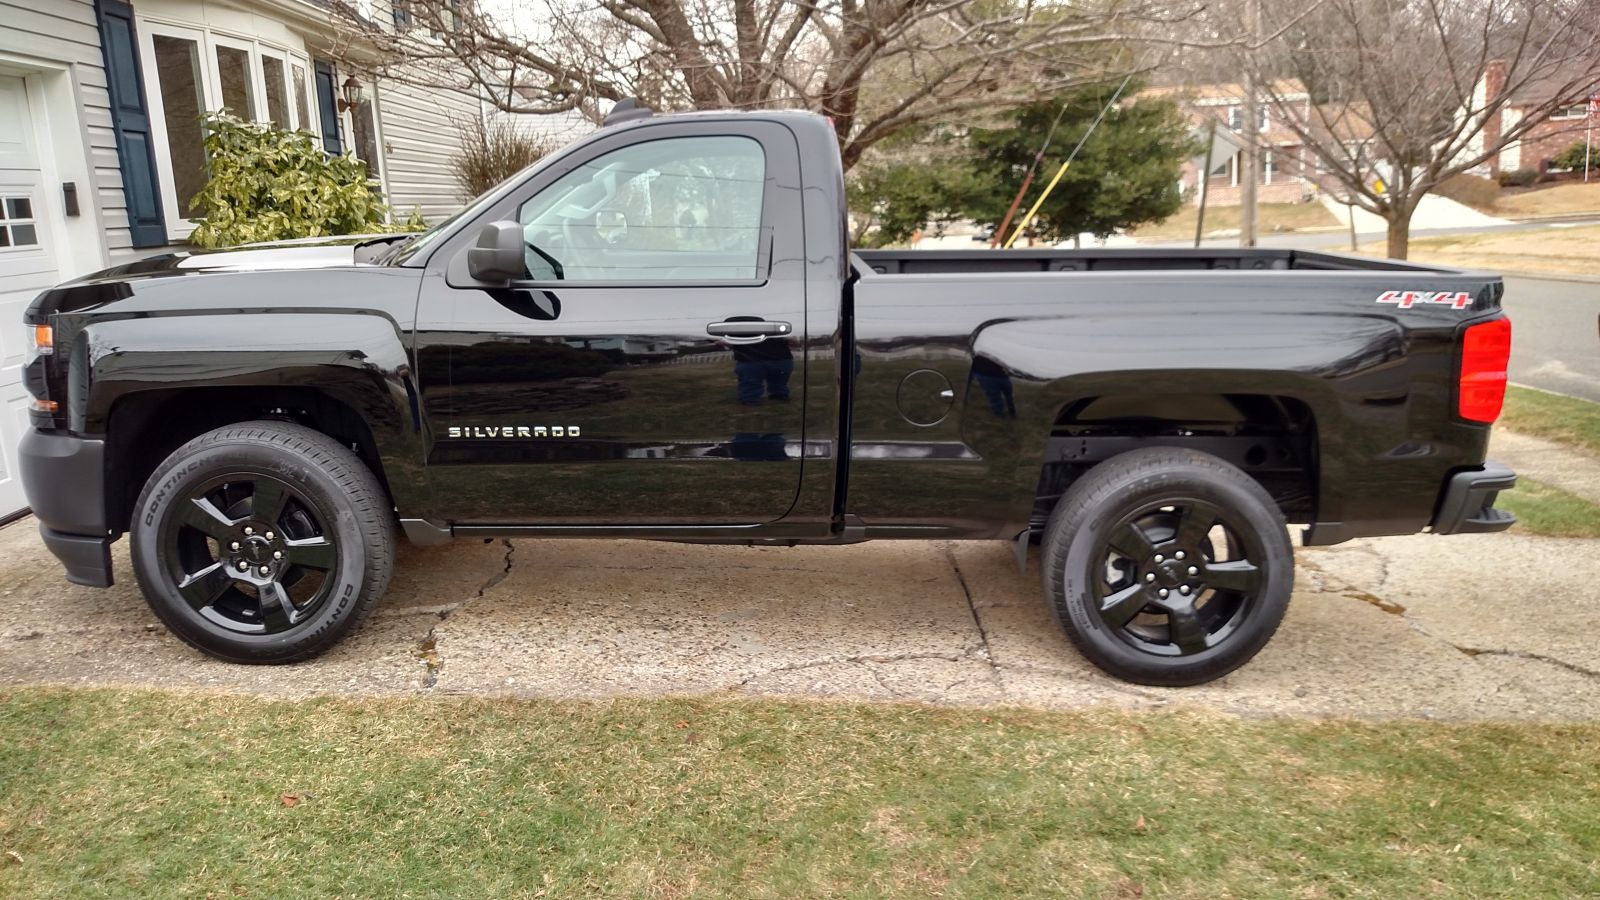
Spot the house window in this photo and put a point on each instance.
(193, 71)
(1236, 118)
(401, 14)
(272, 81)
(1579, 111)
(17, 225)
(233, 73)
(182, 101)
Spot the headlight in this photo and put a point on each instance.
(41, 342)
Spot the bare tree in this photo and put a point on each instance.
(875, 67)
(1393, 97)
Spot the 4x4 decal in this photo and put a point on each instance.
(1407, 299)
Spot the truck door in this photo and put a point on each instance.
(648, 367)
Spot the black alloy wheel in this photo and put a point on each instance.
(249, 553)
(263, 542)
(1167, 567)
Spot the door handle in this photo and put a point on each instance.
(748, 328)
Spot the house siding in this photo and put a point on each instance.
(419, 132)
(65, 31)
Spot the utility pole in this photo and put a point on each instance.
(1250, 154)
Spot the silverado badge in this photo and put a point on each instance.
(515, 431)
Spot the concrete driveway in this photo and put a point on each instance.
(1468, 627)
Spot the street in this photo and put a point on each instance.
(1555, 342)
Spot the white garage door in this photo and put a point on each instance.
(27, 266)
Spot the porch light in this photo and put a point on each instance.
(352, 94)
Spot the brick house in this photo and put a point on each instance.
(1285, 173)
(1544, 141)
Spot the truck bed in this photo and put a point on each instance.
(930, 262)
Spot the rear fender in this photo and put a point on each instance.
(1051, 364)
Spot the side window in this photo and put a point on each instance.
(676, 209)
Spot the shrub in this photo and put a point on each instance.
(491, 152)
(1571, 158)
(1519, 178)
(1471, 190)
(268, 184)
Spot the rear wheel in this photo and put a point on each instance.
(1167, 567)
(263, 542)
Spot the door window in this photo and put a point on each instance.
(18, 228)
(678, 209)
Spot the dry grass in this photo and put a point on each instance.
(1568, 198)
(1271, 218)
(138, 793)
(1554, 250)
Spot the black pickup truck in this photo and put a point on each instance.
(661, 333)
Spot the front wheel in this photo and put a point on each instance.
(1167, 567)
(263, 542)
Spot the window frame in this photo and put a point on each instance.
(263, 53)
(255, 83)
(782, 232)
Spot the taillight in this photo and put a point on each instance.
(1481, 391)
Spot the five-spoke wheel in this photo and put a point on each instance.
(1167, 567)
(262, 542)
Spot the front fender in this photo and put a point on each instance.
(356, 358)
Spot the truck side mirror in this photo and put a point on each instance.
(497, 258)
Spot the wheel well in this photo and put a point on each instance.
(145, 427)
(1273, 439)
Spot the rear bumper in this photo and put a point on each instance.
(1467, 505)
(64, 478)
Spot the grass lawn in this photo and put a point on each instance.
(1552, 416)
(117, 793)
(1556, 250)
(1548, 510)
(1566, 198)
(1270, 217)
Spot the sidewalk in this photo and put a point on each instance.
(1432, 212)
(1549, 462)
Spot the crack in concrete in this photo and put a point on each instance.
(985, 650)
(1351, 592)
(427, 649)
(1525, 654)
(854, 659)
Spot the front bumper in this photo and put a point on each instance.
(1467, 505)
(64, 479)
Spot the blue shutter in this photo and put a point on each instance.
(328, 107)
(130, 117)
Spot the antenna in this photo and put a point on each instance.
(626, 110)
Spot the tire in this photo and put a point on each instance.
(1167, 567)
(262, 542)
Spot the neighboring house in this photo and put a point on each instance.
(100, 139)
(1285, 171)
(1544, 141)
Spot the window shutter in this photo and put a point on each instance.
(130, 117)
(328, 107)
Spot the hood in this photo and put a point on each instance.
(348, 252)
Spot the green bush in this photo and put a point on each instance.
(1519, 177)
(267, 185)
(1471, 190)
(1571, 158)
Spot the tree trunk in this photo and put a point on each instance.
(1399, 219)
